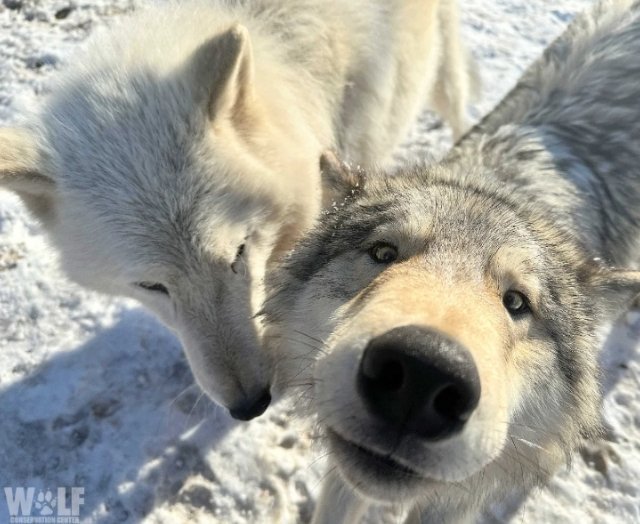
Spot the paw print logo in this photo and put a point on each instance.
(45, 502)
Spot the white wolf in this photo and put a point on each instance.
(181, 154)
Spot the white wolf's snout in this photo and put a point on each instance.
(222, 343)
(241, 384)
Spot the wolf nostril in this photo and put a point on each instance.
(419, 381)
(450, 403)
(392, 376)
(252, 409)
(387, 376)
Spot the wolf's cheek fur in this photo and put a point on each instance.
(297, 341)
(312, 313)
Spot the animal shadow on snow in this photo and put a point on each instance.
(110, 416)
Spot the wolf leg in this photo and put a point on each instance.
(456, 514)
(458, 80)
(338, 503)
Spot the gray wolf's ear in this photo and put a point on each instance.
(339, 179)
(615, 289)
(22, 171)
(223, 73)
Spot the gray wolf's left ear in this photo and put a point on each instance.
(223, 72)
(615, 289)
(339, 179)
(22, 170)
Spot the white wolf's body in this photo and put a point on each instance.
(180, 154)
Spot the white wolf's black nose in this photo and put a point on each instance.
(419, 381)
(253, 408)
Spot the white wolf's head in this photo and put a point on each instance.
(169, 184)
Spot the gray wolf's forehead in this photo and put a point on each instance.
(443, 207)
(442, 213)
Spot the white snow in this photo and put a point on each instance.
(95, 393)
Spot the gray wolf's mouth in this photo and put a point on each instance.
(370, 463)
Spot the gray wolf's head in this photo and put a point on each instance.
(444, 334)
(166, 182)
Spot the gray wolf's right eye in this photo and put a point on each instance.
(154, 286)
(383, 253)
(516, 303)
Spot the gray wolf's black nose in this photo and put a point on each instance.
(419, 381)
(253, 408)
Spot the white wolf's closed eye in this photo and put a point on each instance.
(236, 262)
(154, 287)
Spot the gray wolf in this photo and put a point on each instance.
(444, 324)
(179, 156)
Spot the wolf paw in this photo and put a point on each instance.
(45, 502)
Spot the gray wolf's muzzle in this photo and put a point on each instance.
(418, 381)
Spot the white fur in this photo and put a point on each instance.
(196, 128)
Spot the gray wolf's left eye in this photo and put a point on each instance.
(155, 287)
(516, 303)
(383, 253)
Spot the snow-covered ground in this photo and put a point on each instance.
(95, 393)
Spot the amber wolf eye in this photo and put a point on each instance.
(383, 253)
(154, 287)
(516, 303)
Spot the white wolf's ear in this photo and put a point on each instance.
(339, 179)
(22, 171)
(615, 288)
(223, 72)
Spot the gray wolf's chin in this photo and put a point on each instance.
(374, 475)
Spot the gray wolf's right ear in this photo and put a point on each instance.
(22, 171)
(223, 73)
(614, 289)
(339, 179)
